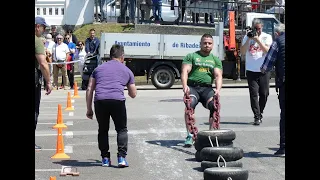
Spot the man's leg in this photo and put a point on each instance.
(102, 111)
(281, 151)
(263, 91)
(37, 94)
(55, 76)
(194, 95)
(253, 78)
(206, 96)
(103, 16)
(119, 117)
(64, 75)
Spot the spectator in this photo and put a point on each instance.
(70, 66)
(276, 57)
(54, 33)
(73, 38)
(49, 46)
(60, 55)
(92, 43)
(80, 55)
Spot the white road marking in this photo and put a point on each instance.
(44, 170)
(68, 123)
(153, 131)
(67, 149)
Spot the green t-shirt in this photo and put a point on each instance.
(39, 49)
(202, 67)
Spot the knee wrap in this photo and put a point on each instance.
(194, 101)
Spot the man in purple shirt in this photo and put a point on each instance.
(108, 81)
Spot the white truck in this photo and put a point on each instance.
(159, 56)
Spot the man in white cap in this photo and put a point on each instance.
(49, 46)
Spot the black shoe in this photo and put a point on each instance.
(257, 121)
(280, 152)
(37, 148)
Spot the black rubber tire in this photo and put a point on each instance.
(197, 156)
(228, 153)
(223, 135)
(225, 173)
(198, 146)
(166, 70)
(210, 164)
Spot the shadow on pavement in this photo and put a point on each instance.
(255, 154)
(171, 100)
(77, 163)
(172, 144)
(224, 122)
(198, 169)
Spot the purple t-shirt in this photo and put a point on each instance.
(111, 78)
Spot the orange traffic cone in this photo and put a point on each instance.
(52, 178)
(60, 147)
(60, 123)
(75, 88)
(69, 105)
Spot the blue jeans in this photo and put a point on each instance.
(157, 8)
(101, 4)
(132, 9)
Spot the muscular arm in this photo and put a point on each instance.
(41, 58)
(89, 93)
(185, 70)
(218, 76)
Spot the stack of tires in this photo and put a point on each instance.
(219, 159)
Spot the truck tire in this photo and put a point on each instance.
(223, 136)
(199, 146)
(228, 153)
(162, 77)
(210, 164)
(197, 156)
(225, 173)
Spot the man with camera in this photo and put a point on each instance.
(255, 45)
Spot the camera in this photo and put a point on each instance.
(251, 32)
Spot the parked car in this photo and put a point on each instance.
(112, 11)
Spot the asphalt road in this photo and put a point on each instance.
(156, 135)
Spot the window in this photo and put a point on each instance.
(62, 11)
(44, 11)
(38, 11)
(56, 11)
(50, 11)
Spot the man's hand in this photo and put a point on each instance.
(48, 88)
(186, 89)
(255, 38)
(216, 92)
(89, 113)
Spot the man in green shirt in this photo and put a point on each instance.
(41, 67)
(199, 69)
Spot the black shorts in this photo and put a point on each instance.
(202, 94)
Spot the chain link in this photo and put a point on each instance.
(190, 120)
(214, 121)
